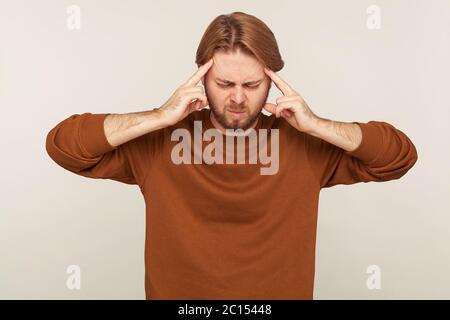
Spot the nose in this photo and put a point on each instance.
(238, 96)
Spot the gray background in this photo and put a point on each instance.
(131, 55)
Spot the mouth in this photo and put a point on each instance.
(236, 113)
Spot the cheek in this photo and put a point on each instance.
(258, 96)
(219, 96)
(215, 92)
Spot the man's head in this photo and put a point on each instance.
(236, 86)
(237, 89)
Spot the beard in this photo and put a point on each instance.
(224, 119)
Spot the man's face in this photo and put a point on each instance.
(237, 89)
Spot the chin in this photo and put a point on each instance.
(244, 126)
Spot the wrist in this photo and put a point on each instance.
(319, 125)
(155, 119)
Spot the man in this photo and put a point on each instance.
(223, 230)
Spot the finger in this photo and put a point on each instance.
(193, 106)
(283, 99)
(287, 113)
(198, 75)
(193, 89)
(280, 83)
(270, 107)
(196, 96)
(282, 107)
(197, 105)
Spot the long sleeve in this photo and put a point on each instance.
(79, 145)
(385, 153)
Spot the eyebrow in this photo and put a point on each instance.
(248, 82)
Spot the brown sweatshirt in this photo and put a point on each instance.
(224, 230)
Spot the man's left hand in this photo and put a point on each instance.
(291, 106)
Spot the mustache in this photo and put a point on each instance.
(236, 108)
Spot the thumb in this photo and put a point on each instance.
(199, 104)
(194, 106)
(270, 107)
(203, 104)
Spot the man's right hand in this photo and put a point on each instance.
(187, 98)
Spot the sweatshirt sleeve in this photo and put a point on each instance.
(79, 145)
(385, 153)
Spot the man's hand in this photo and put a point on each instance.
(294, 109)
(291, 106)
(187, 98)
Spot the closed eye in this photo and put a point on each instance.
(229, 85)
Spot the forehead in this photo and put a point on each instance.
(236, 67)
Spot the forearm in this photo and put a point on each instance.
(347, 136)
(121, 128)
